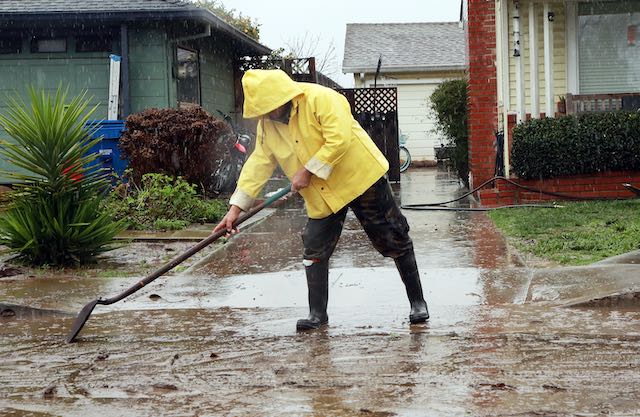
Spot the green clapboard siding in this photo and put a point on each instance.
(216, 78)
(149, 69)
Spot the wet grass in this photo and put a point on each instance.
(580, 233)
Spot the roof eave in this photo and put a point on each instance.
(201, 15)
(401, 69)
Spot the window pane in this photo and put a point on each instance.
(188, 76)
(609, 52)
(49, 45)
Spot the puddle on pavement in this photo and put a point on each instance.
(14, 311)
(469, 359)
(222, 340)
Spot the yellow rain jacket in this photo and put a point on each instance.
(321, 136)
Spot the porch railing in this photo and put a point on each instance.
(584, 103)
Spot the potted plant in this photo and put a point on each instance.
(562, 105)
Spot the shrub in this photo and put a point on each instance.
(573, 145)
(161, 202)
(449, 103)
(175, 142)
(53, 216)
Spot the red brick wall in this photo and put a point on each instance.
(483, 89)
(606, 185)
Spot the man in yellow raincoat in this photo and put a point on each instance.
(308, 130)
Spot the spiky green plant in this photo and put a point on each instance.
(54, 216)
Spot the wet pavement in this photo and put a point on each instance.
(219, 338)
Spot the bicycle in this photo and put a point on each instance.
(405, 156)
(227, 169)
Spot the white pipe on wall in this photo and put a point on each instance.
(533, 62)
(548, 17)
(517, 54)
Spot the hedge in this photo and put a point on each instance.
(572, 145)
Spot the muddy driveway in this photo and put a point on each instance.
(219, 338)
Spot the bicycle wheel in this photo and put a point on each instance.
(222, 177)
(405, 159)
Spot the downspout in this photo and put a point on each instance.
(124, 72)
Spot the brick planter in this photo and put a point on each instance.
(607, 185)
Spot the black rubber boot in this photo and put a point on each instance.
(318, 286)
(411, 277)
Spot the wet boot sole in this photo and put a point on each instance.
(306, 325)
(418, 318)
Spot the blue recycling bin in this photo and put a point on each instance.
(109, 156)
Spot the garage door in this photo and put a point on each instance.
(416, 121)
(17, 75)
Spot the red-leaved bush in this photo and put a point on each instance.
(175, 142)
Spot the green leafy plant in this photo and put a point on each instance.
(585, 144)
(449, 103)
(161, 202)
(246, 25)
(53, 216)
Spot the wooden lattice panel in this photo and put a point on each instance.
(300, 69)
(375, 100)
(376, 109)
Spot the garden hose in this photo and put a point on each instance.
(441, 206)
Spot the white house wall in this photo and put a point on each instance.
(559, 53)
(415, 118)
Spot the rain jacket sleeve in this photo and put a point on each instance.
(334, 116)
(255, 173)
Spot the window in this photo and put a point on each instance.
(94, 43)
(608, 47)
(10, 45)
(188, 76)
(46, 45)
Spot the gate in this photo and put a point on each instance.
(376, 109)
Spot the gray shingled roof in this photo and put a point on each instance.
(84, 6)
(12, 11)
(404, 47)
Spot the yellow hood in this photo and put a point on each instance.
(266, 90)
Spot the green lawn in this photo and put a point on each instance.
(577, 234)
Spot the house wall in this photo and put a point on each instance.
(216, 78)
(150, 64)
(152, 82)
(415, 118)
(559, 54)
(156, 82)
(482, 54)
